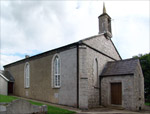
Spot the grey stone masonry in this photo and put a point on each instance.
(88, 92)
(83, 79)
(68, 90)
(132, 91)
(93, 91)
(21, 106)
(101, 43)
(41, 78)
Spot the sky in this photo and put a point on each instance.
(30, 27)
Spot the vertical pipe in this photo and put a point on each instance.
(99, 90)
(77, 76)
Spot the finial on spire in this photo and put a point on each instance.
(104, 9)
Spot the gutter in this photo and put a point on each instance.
(100, 78)
(77, 75)
(117, 75)
(56, 50)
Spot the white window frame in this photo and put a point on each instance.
(27, 75)
(56, 71)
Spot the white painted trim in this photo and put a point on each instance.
(25, 86)
(52, 71)
(4, 77)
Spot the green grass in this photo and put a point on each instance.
(148, 104)
(51, 109)
(4, 98)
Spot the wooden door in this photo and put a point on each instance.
(116, 93)
(10, 87)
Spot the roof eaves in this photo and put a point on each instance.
(123, 60)
(4, 77)
(69, 45)
(91, 37)
(117, 75)
(116, 49)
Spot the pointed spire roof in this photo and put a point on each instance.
(104, 13)
(104, 9)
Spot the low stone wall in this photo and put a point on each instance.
(21, 106)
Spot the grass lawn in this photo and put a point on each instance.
(148, 104)
(51, 109)
(4, 98)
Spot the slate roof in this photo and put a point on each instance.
(122, 67)
(6, 75)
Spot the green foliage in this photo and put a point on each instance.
(148, 104)
(51, 109)
(145, 64)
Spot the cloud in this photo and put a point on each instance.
(8, 59)
(32, 27)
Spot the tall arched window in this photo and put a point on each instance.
(56, 72)
(95, 73)
(27, 75)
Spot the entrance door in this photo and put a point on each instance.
(10, 87)
(116, 93)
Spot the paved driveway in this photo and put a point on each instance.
(110, 111)
(101, 110)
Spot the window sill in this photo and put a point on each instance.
(56, 87)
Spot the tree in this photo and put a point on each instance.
(145, 64)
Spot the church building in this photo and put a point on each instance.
(84, 74)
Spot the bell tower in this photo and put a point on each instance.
(105, 23)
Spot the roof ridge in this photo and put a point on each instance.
(124, 60)
(88, 38)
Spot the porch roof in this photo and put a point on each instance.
(121, 67)
(7, 76)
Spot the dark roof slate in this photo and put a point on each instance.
(7, 75)
(122, 67)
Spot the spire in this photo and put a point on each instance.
(104, 9)
(105, 23)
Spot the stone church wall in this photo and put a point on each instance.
(18, 73)
(132, 91)
(68, 91)
(83, 78)
(127, 90)
(138, 99)
(40, 78)
(3, 86)
(88, 92)
(101, 43)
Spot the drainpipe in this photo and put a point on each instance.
(100, 78)
(77, 75)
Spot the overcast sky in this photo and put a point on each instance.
(33, 27)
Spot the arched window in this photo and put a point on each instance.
(27, 75)
(56, 72)
(95, 73)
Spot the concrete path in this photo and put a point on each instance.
(111, 111)
(100, 110)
